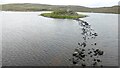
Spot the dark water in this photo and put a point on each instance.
(32, 40)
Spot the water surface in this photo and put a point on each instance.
(32, 40)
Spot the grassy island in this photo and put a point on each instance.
(63, 14)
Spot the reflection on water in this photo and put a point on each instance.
(84, 55)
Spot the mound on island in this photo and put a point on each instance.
(63, 14)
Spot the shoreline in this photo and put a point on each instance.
(64, 17)
(51, 11)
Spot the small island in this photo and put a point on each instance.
(63, 14)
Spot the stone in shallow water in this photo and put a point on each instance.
(95, 34)
(98, 60)
(83, 65)
(83, 56)
(75, 61)
(100, 53)
(75, 53)
(90, 52)
(78, 43)
(95, 63)
(83, 49)
(95, 43)
(84, 44)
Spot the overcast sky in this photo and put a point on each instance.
(88, 3)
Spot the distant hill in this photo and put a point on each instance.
(45, 7)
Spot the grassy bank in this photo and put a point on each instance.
(63, 14)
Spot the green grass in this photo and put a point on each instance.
(63, 15)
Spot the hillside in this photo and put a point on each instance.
(45, 7)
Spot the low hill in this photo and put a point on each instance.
(45, 7)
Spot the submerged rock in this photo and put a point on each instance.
(75, 53)
(78, 43)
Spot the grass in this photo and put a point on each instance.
(63, 15)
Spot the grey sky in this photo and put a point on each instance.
(88, 3)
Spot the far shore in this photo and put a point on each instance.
(30, 7)
(52, 11)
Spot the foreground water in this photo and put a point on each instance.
(32, 40)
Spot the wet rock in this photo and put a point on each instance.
(83, 65)
(83, 56)
(78, 43)
(75, 61)
(80, 53)
(95, 54)
(100, 52)
(95, 63)
(94, 60)
(90, 52)
(86, 23)
(91, 56)
(83, 49)
(95, 34)
(98, 60)
(84, 44)
(75, 53)
(77, 50)
(80, 58)
(101, 66)
(83, 60)
(95, 43)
